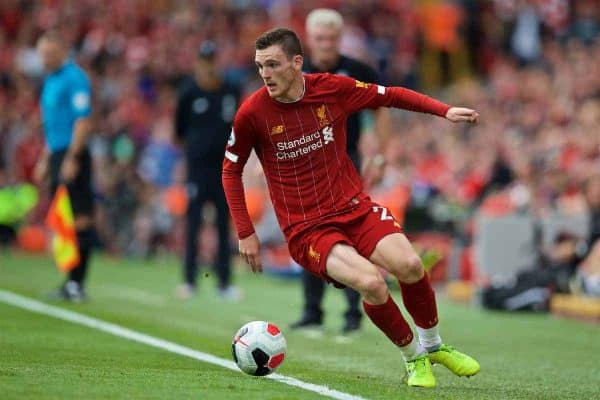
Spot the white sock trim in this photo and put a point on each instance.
(429, 337)
(412, 350)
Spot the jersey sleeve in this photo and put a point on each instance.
(81, 95)
(238, 149)
(356, 95)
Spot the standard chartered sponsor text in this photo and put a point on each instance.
(299, 147)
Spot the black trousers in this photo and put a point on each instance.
(314, 287)
(82, 202)
(204, 184)
(314, 290)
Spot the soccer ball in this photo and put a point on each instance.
(258, 348)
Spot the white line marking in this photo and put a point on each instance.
(80, 319)
(134, 294)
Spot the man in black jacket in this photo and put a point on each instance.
(203, 118)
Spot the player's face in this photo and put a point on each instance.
(205, 66)
(278, 72)
(324, 43)
(51, 53)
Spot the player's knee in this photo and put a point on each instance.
(411, 270)
(373, 288)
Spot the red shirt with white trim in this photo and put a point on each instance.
(302, 147)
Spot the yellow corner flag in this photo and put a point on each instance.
(64, 241)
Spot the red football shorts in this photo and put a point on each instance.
(361, 227)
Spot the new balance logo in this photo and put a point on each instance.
(328, 134)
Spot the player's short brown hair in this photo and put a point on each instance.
(286, 38)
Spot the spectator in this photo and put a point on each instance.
(205, 111)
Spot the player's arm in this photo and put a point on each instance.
(40, 172)
(382, 126)
(373, 167)
(356, 95)
(81, 133)
(382, 117)
(80, 102)
(239, 147)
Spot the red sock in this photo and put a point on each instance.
(389, 319)
(419, 301)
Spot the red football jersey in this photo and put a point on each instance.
(302, 147)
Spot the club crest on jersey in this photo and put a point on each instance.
(328, 134)
(276, 130)
(360, 84)
(322, 115)
(314, 254)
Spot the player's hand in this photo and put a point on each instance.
(250, 252)
(69, 168)
(461, 114)
(40, 172)
(374, 171)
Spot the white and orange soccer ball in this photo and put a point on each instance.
(258, 348)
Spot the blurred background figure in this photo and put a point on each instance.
(203, 117)
(588, 276)
(323, 34)
(65, 102)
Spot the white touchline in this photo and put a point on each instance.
(81, 319)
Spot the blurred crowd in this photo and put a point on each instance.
(530, 67)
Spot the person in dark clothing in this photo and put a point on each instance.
(588, 277)
(205, 110)
(65, 102)
(572, 264)
(324, 27)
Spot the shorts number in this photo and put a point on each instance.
(384, 213)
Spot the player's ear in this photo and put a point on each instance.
(298, 60)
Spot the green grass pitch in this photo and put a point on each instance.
(523, 356)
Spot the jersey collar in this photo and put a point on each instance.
(299, 98)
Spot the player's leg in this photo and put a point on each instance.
(346, 266)
(223, 261)
(352, 316)
(82, 199)
(196, 199)
(313, 290)
(82, 203)
(327, 252)
(395, 254)
(85, 242)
